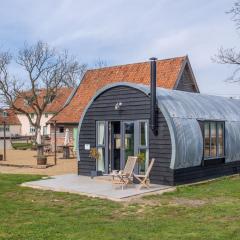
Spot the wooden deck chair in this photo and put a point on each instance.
(125, 177)
(144, 180)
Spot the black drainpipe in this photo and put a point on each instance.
(153, 104)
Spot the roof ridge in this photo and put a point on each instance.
(122, 65)
(89, 84)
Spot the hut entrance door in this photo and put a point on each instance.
(115, 142)
(121, 143)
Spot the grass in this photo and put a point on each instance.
(205, 211)
(22, 146)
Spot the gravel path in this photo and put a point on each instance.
(27, 157)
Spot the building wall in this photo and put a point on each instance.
(136, 106)
(200, 173)
(25, 130)
(13, 130)
(61, 136)
(186, 83)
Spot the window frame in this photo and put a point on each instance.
(61, 127)
(7, 128)
(5, 114)
(217, 123)
(32, 129)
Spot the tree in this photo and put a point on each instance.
(100, 63)
(45, 68)
(231, 56)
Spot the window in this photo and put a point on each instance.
(7, 128)
(100, 125)
(143, 145)
(220, 147)
(5, 114)
(45, 130)
(28, 100)
(49, 99)
(32, 115)
(46, 115)
(61, 129)
(32, 129)
(213, 140)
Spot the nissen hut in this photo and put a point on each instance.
(192, 136)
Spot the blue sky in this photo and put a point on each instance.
(127, 31)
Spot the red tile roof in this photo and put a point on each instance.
(10, 119)
(53, 107)
(168, 71)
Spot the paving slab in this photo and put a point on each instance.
(84, 185)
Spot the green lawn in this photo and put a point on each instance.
(206, 211)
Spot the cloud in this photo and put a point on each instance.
(124, 31)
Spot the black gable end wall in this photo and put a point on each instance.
(186, 82)
(136, 107)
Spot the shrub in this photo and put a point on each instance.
(21, 146)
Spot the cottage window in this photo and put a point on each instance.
(213, 140)
(61, 129)
(5, 114)
(45, 130)
(7, 128)
(32, 129)
(49, 99)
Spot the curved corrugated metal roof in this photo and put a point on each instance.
(182, 111)
(198, 106)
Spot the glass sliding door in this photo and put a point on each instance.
(143, 146)
(100, 145)
(128, 141)
(115, 145)
(117, 140)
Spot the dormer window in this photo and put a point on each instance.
(5, 114)
(49, 99)
(28, 101)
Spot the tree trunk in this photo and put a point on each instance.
(37, 126)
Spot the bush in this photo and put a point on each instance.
(21, 146)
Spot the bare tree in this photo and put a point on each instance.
(231, 56)
(75, 73)
(100, 63)
(46, 69)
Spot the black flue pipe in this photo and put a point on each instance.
(153, 104)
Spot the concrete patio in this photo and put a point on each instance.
(98, 187)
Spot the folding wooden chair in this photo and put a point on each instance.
(144, 180)
(125, 177)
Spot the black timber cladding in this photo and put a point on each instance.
(186, 82)
(200, 173)
(136, 107)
